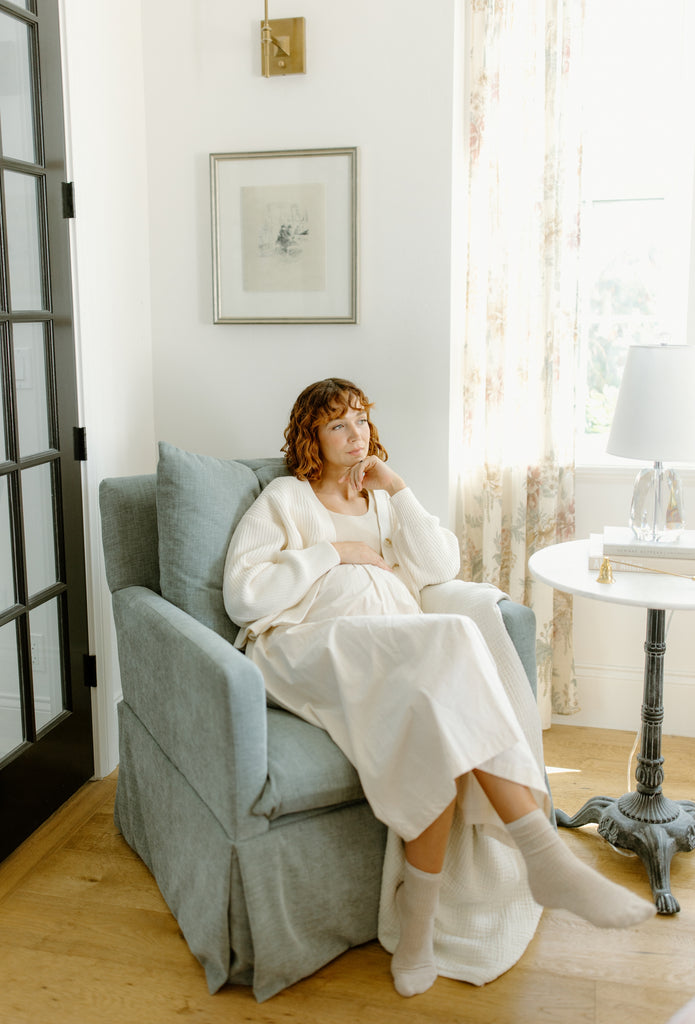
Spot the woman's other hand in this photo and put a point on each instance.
(356, 552)
(373, 474)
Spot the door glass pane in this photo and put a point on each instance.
(23, 240)
(46, 662)
(39, 531)
(3, 439)
(7, 585)
(16, 90)
(30, 375)
(11, 729)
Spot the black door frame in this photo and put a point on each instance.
(37, 777)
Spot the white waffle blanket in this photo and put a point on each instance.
(486, 916)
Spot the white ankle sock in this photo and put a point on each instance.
(559, 879)
(412, 966)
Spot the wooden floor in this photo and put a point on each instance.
(85, 937)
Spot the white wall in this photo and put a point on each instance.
(227, 389)
(155, 86)
(609, 639)
(104, 94)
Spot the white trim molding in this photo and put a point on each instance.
(610, 697)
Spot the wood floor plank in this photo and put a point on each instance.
(93, 878)
(627, 1001)
(60, 988)
(54, 832)
(86, 938)
(120, 934)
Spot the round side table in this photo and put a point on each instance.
(644, 821)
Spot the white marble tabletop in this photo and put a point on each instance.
(566, 567)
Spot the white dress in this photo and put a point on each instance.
(414, 701)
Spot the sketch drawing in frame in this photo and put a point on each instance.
(284, 229)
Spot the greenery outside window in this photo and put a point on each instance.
(637, 196)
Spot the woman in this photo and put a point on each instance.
(325, 576)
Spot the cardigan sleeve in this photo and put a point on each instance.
(263, 576)
(427, 551)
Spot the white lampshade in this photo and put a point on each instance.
(655, 415)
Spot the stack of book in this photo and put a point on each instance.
(627, 554)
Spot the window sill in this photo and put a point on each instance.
(625, 469)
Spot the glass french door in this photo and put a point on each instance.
(45, 707)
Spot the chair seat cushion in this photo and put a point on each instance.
(306, 770)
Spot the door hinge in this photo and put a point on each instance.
(90, 670)
(79, 435)
(68, 190)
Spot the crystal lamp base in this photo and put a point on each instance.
(657, 512)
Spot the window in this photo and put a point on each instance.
(639, 135)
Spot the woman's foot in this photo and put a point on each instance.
(412, 966)
(558, 879)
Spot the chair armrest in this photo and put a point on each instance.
(519, 621)
(201, 700)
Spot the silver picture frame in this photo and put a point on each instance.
(285, 236)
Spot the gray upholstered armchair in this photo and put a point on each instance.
(252, 821)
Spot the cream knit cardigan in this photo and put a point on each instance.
(284, 544)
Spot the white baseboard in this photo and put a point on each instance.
(611, 698)
(12, 702)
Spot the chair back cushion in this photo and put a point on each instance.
(200, 500)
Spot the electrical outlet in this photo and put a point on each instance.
(37, 659)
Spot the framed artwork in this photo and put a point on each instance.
(284, 237)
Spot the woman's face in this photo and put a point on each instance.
(343, 441)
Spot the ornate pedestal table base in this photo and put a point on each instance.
(645, 821)
(655, 842)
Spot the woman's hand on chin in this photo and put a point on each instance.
(356, 552)
(373, 474)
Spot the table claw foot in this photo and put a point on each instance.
(591, 812)
(666, 903)
(655, 846)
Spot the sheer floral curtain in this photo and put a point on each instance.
(519, 350)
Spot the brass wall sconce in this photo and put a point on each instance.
(283, 46)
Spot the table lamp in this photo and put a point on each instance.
(655, 421)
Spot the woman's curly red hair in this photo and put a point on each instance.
(320, 402)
